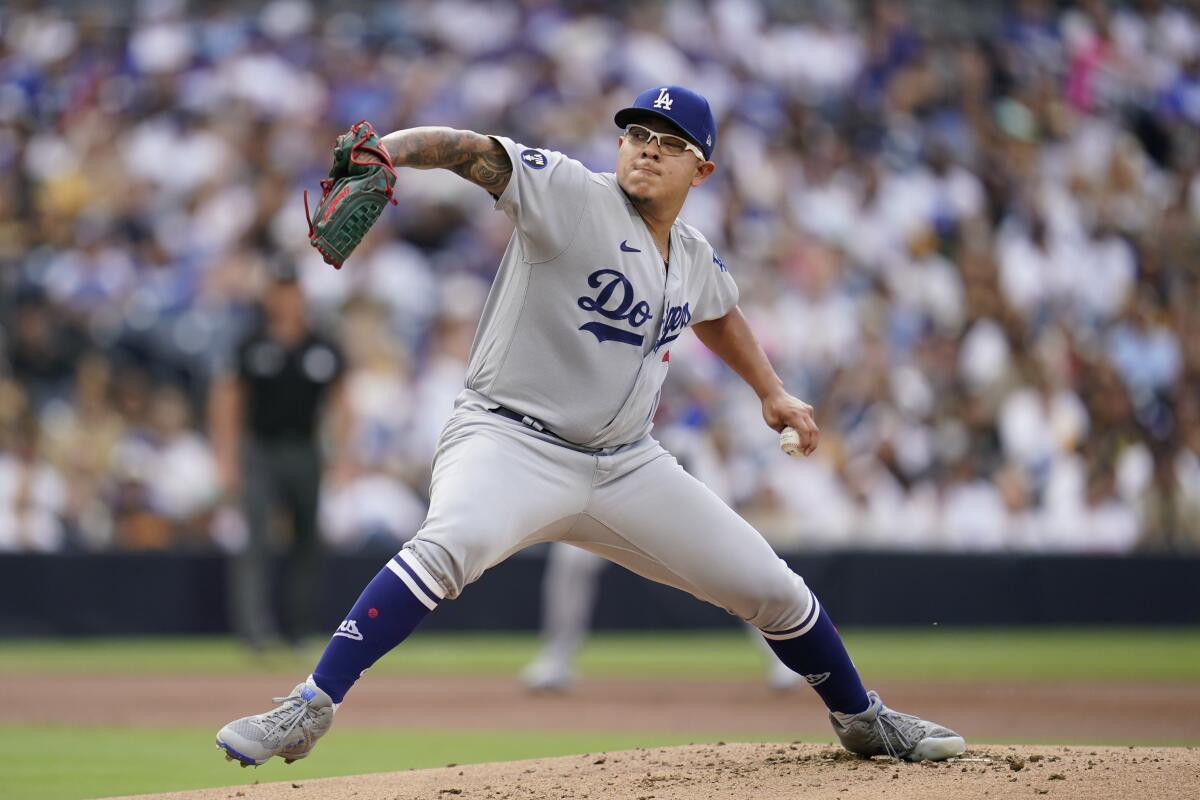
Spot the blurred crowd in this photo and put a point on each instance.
(971, 238)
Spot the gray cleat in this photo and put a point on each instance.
(781, 678)
(548, 674)
(880, 731)
(289, 731)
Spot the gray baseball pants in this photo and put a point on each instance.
(499, 487)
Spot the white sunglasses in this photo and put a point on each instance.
(668, 143)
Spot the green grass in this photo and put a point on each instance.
(1154, 655)
(949, 653)
(63, 763)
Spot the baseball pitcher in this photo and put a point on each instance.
(550, 439)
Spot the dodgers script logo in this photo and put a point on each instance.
(616, 301)
(673, 323)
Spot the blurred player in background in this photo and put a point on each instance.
(570, 590)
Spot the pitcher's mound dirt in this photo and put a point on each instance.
(769, 772)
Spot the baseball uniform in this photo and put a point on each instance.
(576, 338)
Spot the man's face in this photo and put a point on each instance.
(285, 301)
(649, 176)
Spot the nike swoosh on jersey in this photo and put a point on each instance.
(627, 249)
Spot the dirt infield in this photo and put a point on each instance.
(766, 772)
(1076, 712)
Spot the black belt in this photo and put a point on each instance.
(524, 419)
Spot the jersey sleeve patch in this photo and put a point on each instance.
(534, 159)
(717, 260)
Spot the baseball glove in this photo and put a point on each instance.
(359, 185)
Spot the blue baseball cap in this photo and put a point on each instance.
(684, 108)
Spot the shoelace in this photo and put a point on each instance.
(286, 717)
(886, 718)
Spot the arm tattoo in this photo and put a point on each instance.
(478, 158)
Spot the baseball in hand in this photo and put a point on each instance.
(789, 442)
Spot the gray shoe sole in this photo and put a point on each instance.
(233, 755)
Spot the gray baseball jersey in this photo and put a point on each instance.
(577, 333)
(578, 326)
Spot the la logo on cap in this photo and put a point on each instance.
(664, 100)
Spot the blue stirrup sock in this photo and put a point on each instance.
(814, 649)
(388, 610)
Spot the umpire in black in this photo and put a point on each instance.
(264, 413)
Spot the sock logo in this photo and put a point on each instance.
(349, 629)
(816, 679)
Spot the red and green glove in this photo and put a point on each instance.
(359, 185)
